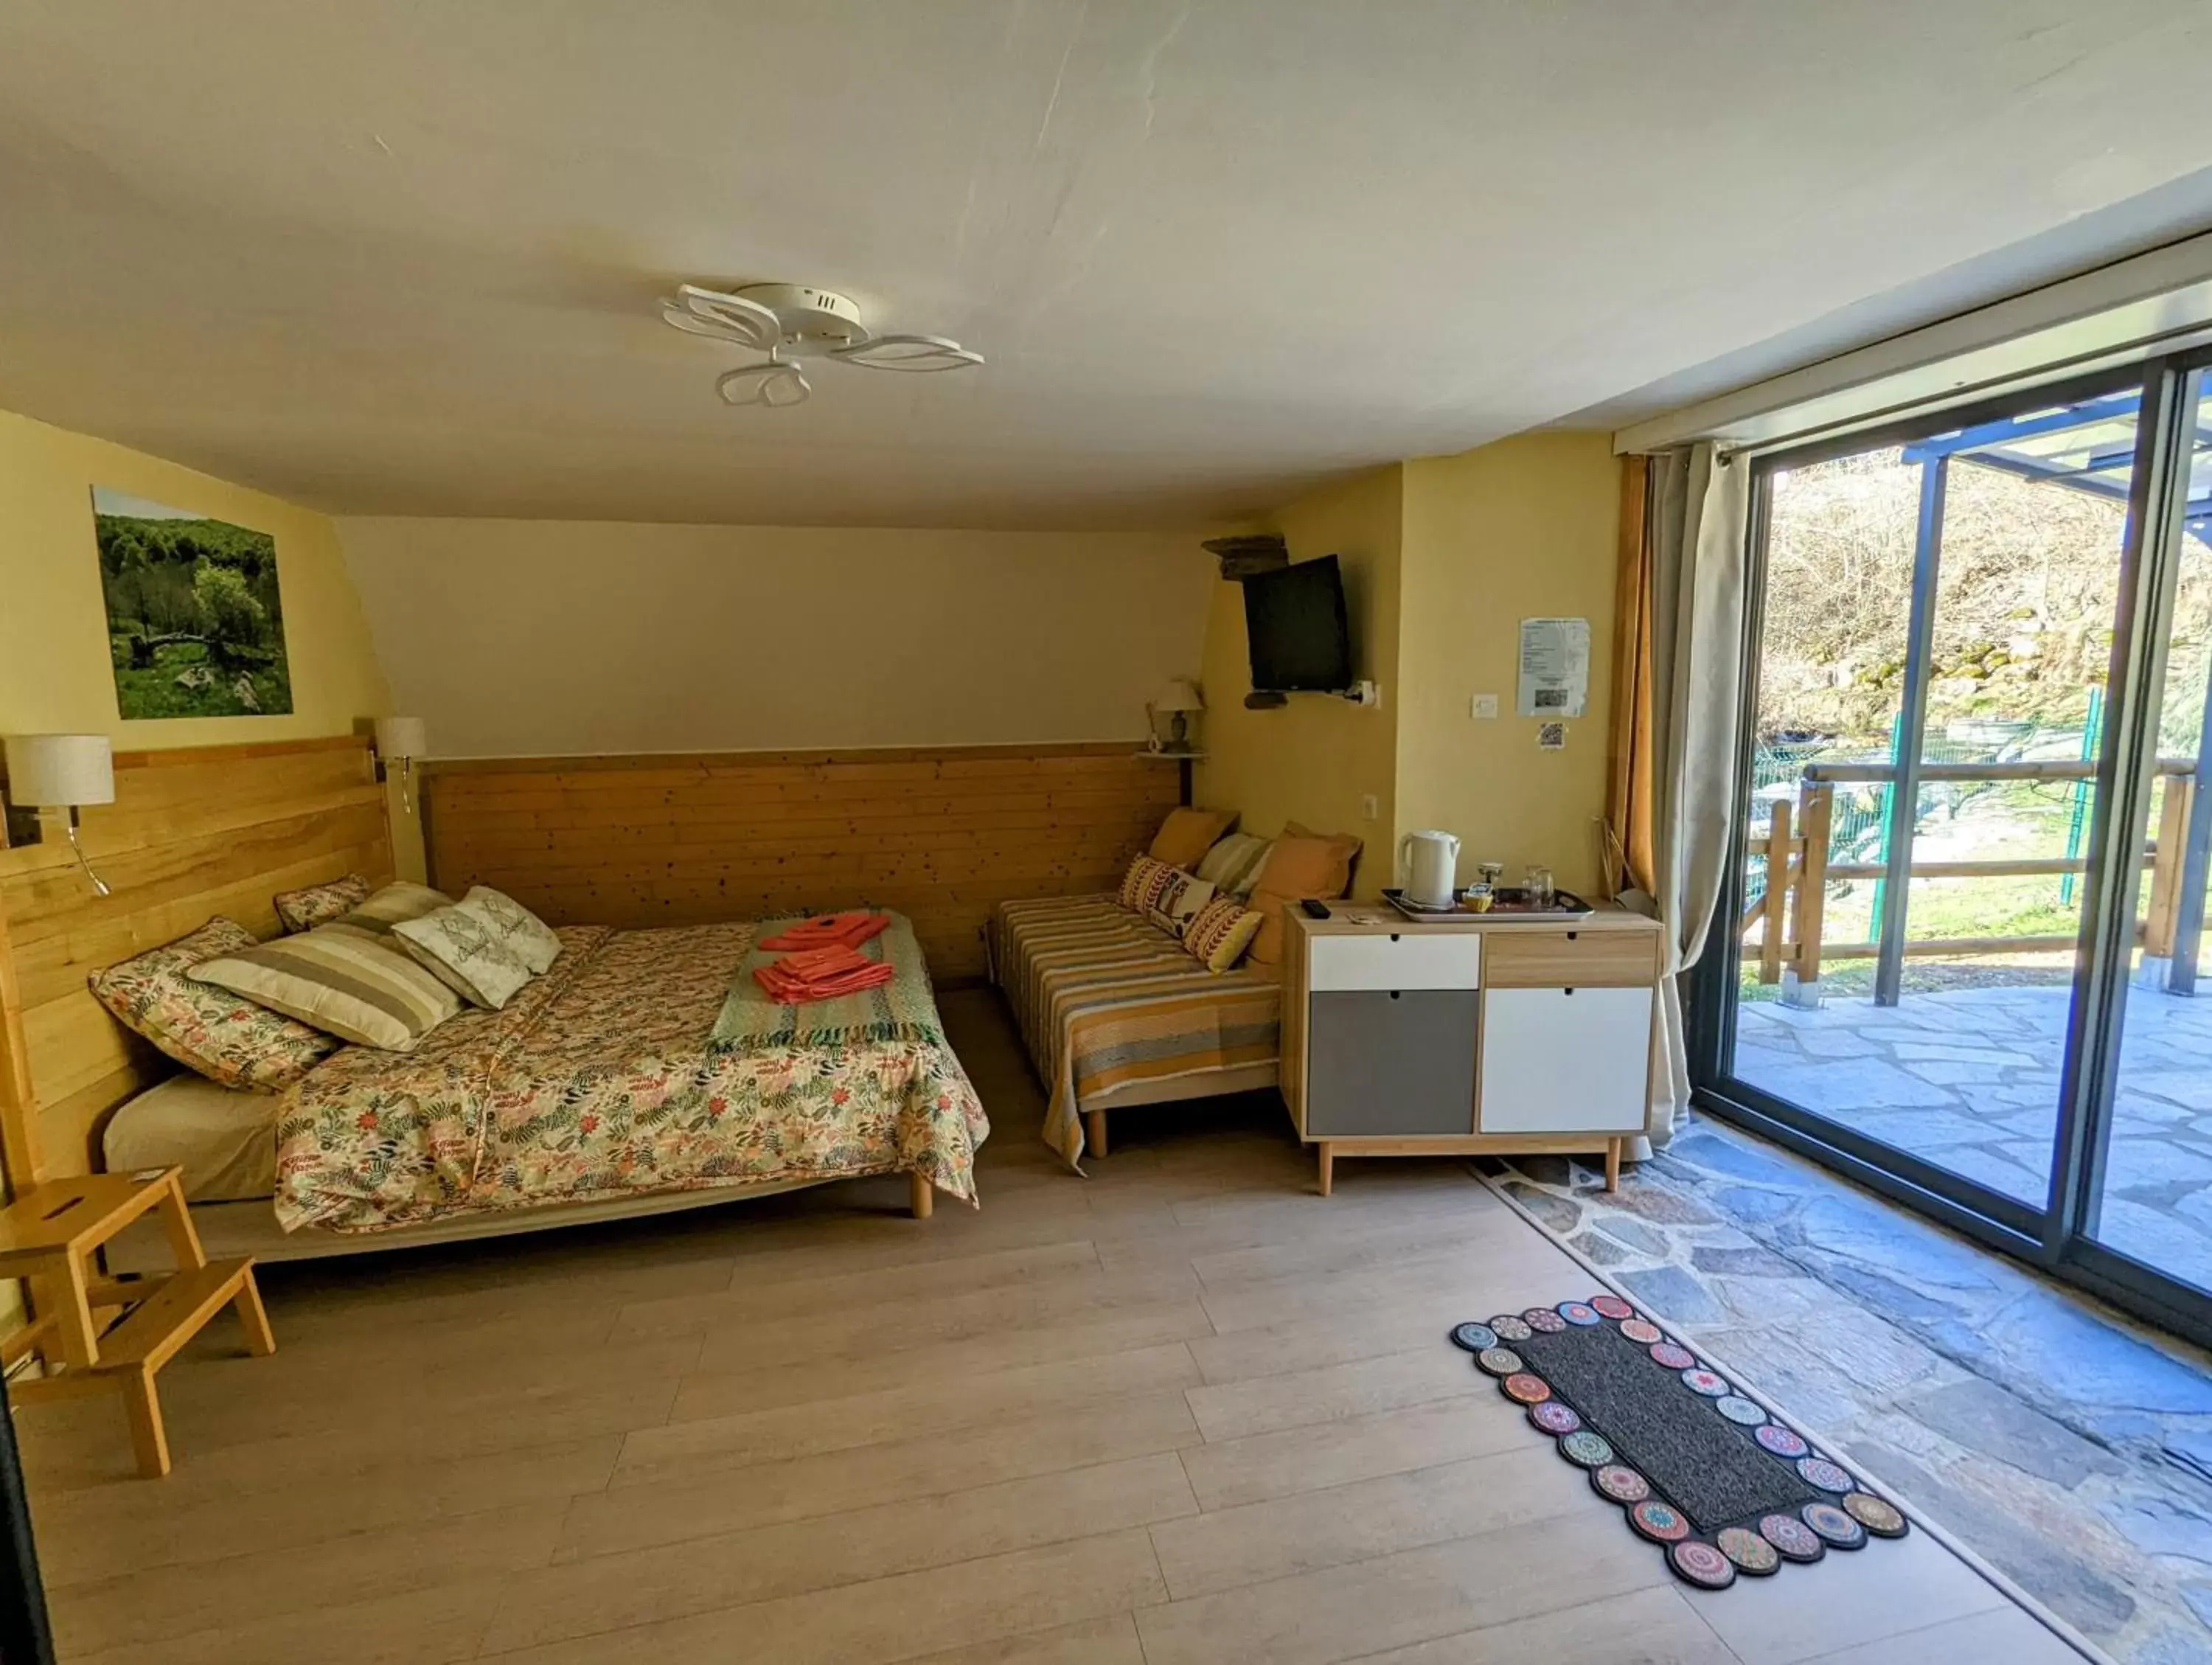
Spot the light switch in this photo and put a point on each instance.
(1370, 806)
(1482, 706)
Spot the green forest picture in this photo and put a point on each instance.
(195, 620)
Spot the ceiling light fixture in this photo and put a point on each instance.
(791, 322)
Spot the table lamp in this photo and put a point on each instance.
(63, 771)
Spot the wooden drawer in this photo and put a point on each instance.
(1519, 958)
(1388, 960)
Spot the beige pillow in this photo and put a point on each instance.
(518, 930)
(459, 947)
(394, 902)
(341, 979)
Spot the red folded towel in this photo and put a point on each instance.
(808, 963)
(788, 988)
(830, 929)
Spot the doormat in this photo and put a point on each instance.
(1698, 1469)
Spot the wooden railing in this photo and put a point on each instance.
(1794, 850)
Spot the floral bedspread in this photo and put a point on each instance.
(598, 1081)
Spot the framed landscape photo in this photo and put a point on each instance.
(194, 614)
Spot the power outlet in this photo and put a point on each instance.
(1483, 707)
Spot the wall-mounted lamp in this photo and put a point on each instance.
(61, 771)
(1171, 717)
(400, 740)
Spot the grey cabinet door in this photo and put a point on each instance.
(1381, 1065)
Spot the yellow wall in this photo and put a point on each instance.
(54, 665)
(535, 637)
(55, 673)
(1525, 528)
(1315, 759)
(1443, 557)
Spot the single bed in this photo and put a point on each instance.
(599, 1091)
(1115, 1012)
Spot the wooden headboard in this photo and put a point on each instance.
(192, 834)
(939, 833)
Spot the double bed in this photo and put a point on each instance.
(600, 1090)
(1116, 1012)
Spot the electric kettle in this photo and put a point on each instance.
(1430, 861)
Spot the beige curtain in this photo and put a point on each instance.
(1630, 861)
(1699, 503)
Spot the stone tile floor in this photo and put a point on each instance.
(2070, 1447)
(1969, 1079)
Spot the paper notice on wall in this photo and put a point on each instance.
(1554, 666)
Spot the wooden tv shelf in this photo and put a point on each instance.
(1467, 1035)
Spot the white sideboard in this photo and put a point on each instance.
(1467, 1035)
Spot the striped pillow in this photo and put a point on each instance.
(1144, 883)
(1223, 929)
(343, 980)
(393, 904)
(1232, 866)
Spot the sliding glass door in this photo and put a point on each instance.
(1970, 878)
(2146, 1188)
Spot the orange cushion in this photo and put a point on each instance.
(1350, 845)
(1300, 865)
(1186, 835)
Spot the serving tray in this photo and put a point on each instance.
(1511, 907)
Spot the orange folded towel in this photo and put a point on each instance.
(821, 974)
(846, 973)
(808, 963)
(849, 930)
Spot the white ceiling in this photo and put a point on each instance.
(402, 257)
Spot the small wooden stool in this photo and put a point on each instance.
(49, 1235)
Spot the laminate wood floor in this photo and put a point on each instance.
(1183, 1413)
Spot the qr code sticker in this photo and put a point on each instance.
(1552, 737)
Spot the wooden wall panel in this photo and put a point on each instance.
(192, 834)
(938, 835)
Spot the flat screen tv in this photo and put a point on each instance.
(1295, 618)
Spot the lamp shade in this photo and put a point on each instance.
(1181, 694)
(47, 770)
(400, 737)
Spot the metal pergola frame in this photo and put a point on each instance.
(1997, 441)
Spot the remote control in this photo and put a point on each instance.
(1315, 909)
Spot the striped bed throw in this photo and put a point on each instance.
(1107, 1002)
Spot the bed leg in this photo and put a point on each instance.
(1612, 1164)
(1326, 1152)
(921, 1195)
(1094, 1132)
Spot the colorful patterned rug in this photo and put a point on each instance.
(1697, 1467)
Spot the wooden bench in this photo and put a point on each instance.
(50, 1236)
